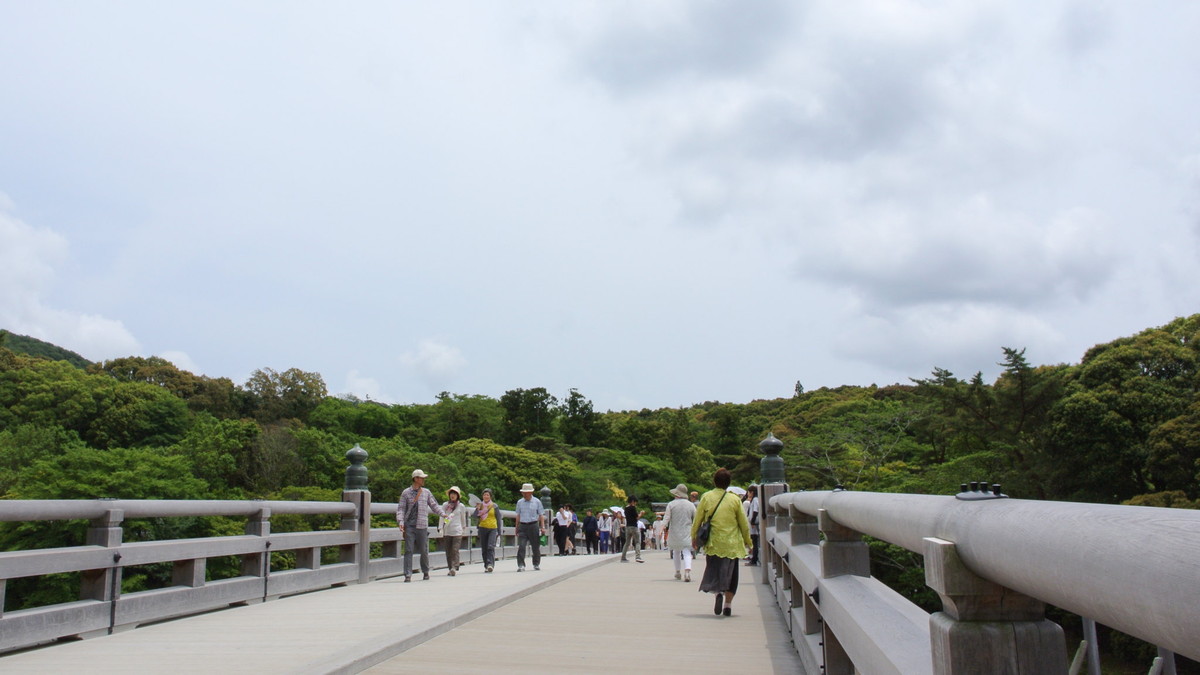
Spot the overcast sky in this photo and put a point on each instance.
(656, 203)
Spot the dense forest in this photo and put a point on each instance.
(1121, 426)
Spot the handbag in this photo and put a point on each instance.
(705, 529)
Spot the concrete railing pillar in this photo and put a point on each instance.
(985, 628)
(104, 584)
(765, 546)
(257, 564)
(359, 521)
(780, 521)
(842, 552)
(804, 528)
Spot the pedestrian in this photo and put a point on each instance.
(489, 522)
(633, 534)
(657, 530)
(729, 536)
(531, 525)
(605, 530)
(591, 532)
(561, 520)
(678, 527)
(453, 527)
(412, 516)
(572, 529)
(618, 530)
(752, 518)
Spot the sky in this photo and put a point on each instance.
(656, 204)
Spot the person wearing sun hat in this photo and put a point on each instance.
(453, 526)
(412, 516)
(531, 523)
(678, 519)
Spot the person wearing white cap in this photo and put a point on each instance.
(453, 527)
(531, 524)
(412, 515)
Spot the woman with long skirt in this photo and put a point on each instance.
(729, 537)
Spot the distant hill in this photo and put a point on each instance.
(23, 344)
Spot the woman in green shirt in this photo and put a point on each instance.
(727, 542)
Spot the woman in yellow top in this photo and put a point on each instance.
(487, 530)
(727, 542)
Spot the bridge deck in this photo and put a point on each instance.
(594, 615)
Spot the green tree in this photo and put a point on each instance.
(578, 422)
(527, 412)
(292, 394)
(1174, 453)
(456, 417)
(131, 414)
(218, 452)
(1120, 394)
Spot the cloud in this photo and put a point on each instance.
(182, 361)
(29, 258)
(893, 258)
(365, 387)
(437, 364)
(961, 337)
(633, 50)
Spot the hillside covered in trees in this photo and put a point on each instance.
(1121, 425)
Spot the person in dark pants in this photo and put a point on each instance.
(531, 523)
(633, 535)
(752, 518)
(562, 520)
(412, 517)
(591, 533)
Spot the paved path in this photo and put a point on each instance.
(625, 618)
(602, 611)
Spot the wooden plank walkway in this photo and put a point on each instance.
(593, 614)
(627, 618)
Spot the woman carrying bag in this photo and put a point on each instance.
(454, 527)
(728, 538)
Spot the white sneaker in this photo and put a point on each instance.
(677, 576)
(687, 575)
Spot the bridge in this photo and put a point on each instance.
(813, 607)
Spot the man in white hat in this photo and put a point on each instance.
(412, 515)
(531, 524)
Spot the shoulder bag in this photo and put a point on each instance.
(705, 529)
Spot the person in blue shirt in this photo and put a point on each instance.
(531, 525)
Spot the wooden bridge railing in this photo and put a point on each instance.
(995, 564)
(102, 560)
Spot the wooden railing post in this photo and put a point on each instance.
(985, 628)
(104, 584)
(842, 552)
(804, 530)
(360, 522)
(259, 564)
(766, 552)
